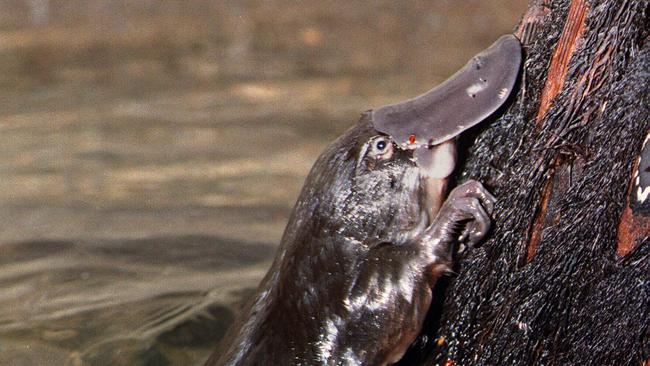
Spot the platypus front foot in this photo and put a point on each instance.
(464, 217)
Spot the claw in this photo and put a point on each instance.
(465, 216)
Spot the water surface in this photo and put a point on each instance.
(150, 154)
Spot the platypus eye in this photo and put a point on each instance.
(381, 147)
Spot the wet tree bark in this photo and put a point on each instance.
(564, 278)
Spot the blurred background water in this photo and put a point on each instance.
(151, 151)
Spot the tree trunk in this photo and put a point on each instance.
(564, 277)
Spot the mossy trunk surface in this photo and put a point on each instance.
(564, 277)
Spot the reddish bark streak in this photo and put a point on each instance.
(540, 218)
(557, 71)
(573, 29)
(631, 227)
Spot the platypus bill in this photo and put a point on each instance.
(372, 231)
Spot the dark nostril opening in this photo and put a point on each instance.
(393, 183)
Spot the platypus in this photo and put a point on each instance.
(373, 229)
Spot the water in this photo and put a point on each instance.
(150, 155)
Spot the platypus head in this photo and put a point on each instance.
(385, 178)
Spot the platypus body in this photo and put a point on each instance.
(372, 231)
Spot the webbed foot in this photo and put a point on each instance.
(465, 215)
